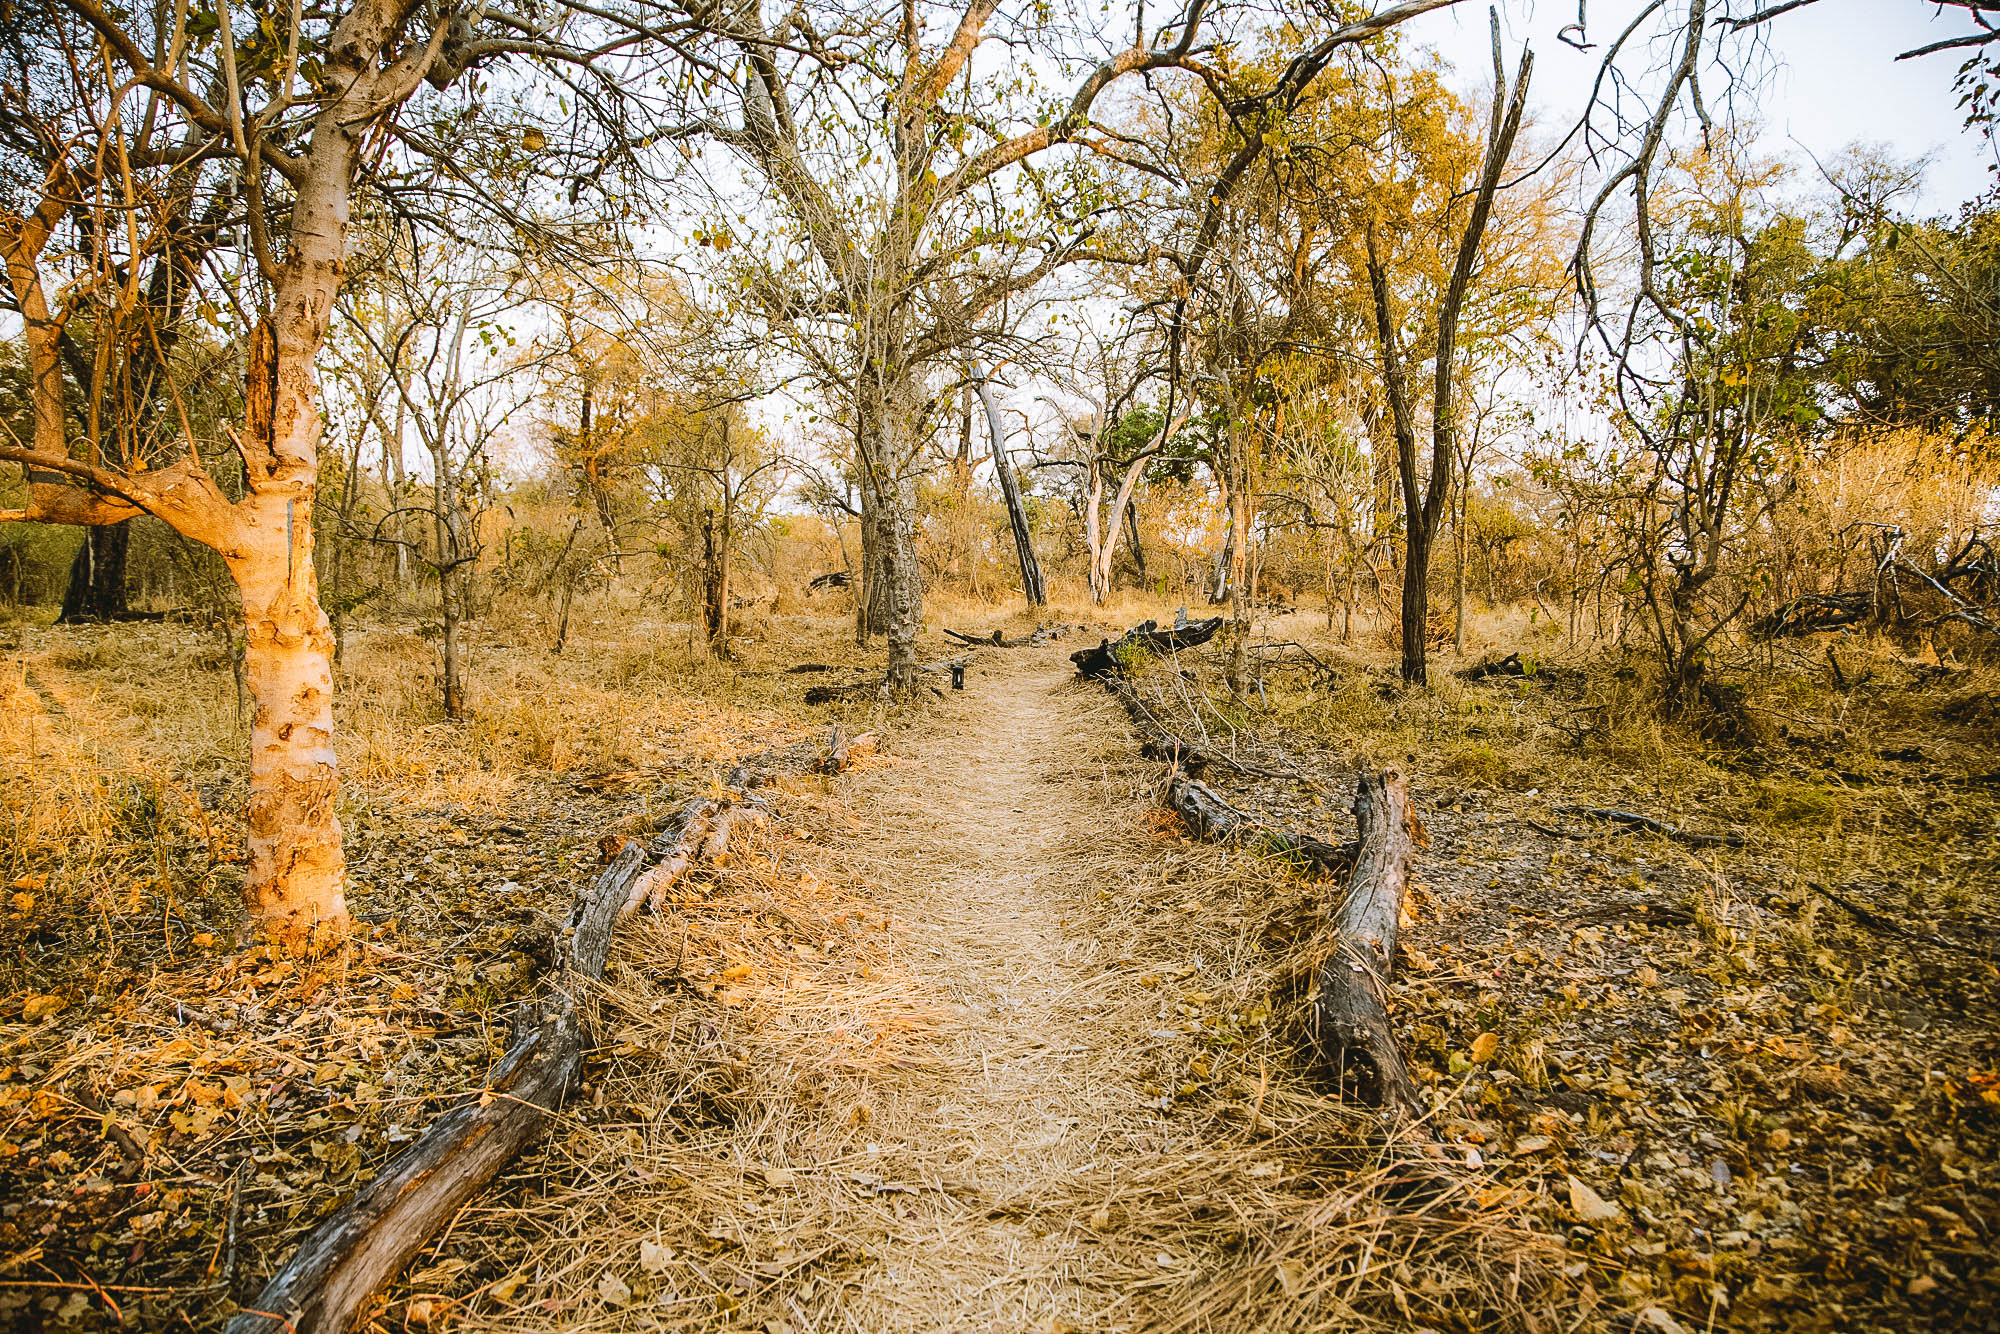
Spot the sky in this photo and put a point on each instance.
(1828, 79)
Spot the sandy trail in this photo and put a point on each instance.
(1033, 1088)
(1021, 1101)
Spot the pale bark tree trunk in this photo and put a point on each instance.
(1237, 669)
(297, 872)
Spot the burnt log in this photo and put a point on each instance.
(853, 690)
(1109, 657)
(1042, 634)
(831, 579)
(1350, 1014)
(1814, 613)
(1511, 665)
(1210, 815)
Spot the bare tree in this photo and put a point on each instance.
(900, 241)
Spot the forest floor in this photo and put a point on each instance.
(975, 1037)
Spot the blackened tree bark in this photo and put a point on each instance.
(1033, 587)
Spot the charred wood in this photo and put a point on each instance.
(1210, 815)
(1109, 657)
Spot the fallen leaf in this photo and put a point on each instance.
(1589, 1205)
(37, 1008)
(614, 1290)
(1484, 1047)
(653, 1257)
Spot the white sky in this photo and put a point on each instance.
(1830, 78)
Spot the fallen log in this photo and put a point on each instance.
(1813, 613)
(842, 750)
(1511, 665)
(1210, 815)
(1042, 634)
(1633, 821)
(363, 1245)
(1350, 1015)
(828, 694)
(676, 844)
(1109, 657)
(366, 1243)
(1157, 741)
(831, 579)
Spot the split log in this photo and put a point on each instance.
(1107, 659)
(358, 1250)
(1210, 815)
(678, 841)
(1350, 1013)
(716, 841)
(843, 750)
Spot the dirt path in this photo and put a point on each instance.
(1037, 1090)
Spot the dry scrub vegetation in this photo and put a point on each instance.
(1743, 1087)
(1773, 1067)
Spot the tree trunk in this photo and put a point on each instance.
(96, 590)
(1236, 671)
(902, 589)
(1032, 585)
(1416, 601)
(1350, 1013)
(297, 873)
(1132, 537)
(1458, 582)
(714, 593)
(449, 605)
(871, 597)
